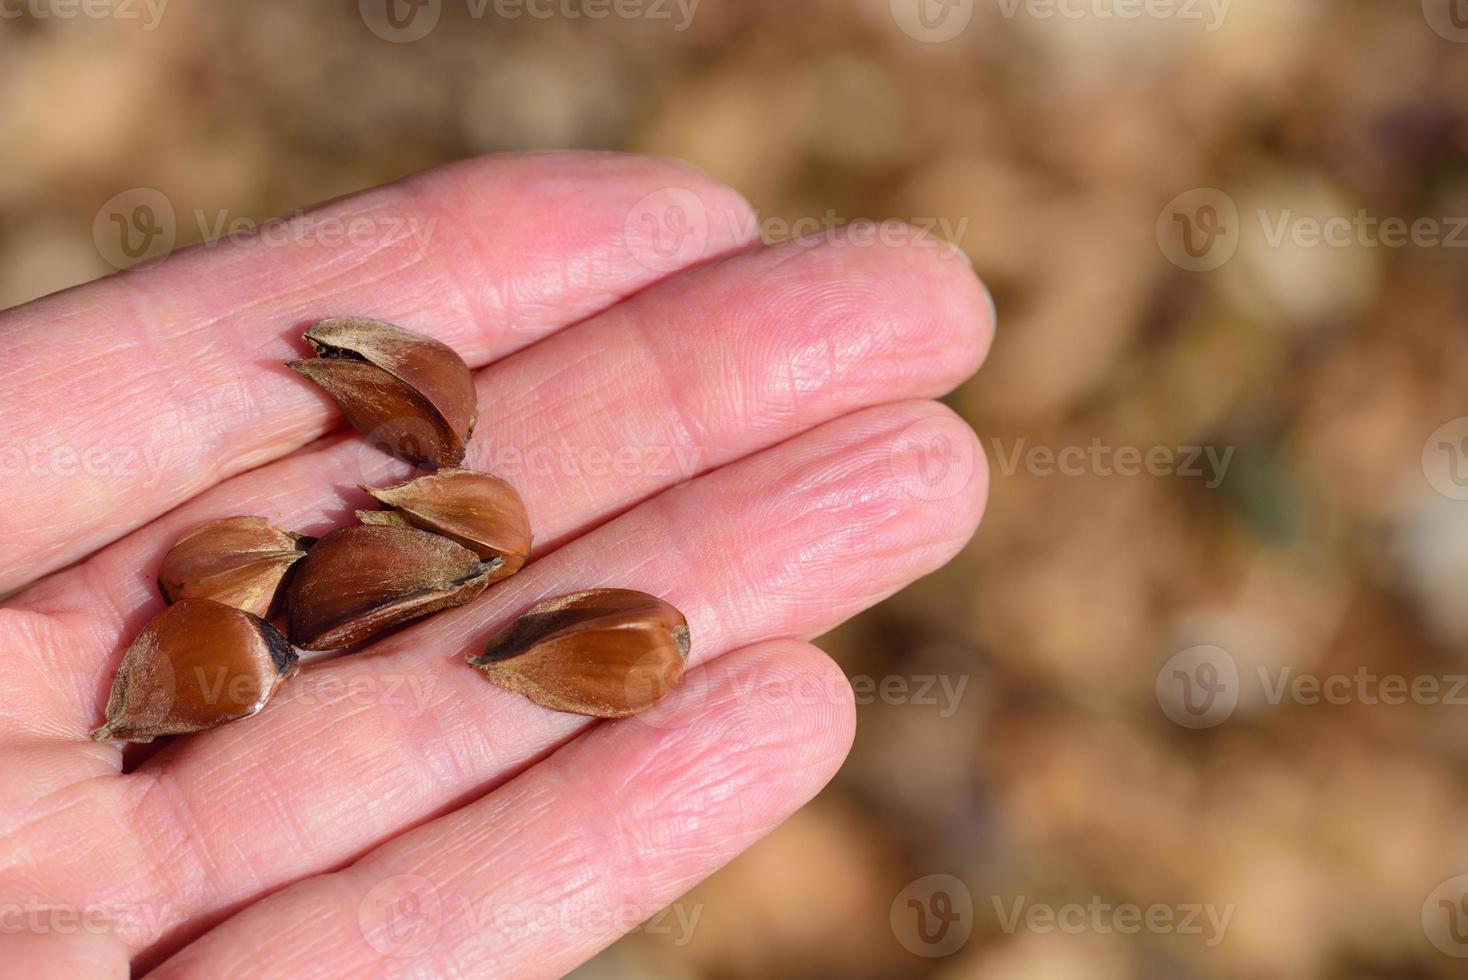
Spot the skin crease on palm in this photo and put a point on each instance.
(776, 475)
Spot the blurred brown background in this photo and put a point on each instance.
(1223, 415)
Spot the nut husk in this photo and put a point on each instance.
(481, 512)
(358, 581)
(608, 653)
(196, 665)
(412, 394)
(239, 561)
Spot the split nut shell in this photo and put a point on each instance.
(358, 581)
(411, 394)
(481, 512)
(196, 665)
(239, 561)
(608, 653)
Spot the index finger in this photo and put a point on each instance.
(127, 396)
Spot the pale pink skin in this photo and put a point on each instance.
(796, 372)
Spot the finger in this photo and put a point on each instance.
(538, 876)
(59, 942)
(124, 397)
(685, 377)
(785, 543)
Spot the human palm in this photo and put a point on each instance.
(738, 429)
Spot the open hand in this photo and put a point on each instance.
(740, 430)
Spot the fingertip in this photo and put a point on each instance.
(669, 214)
(912, 290)
(808, 691)
(939, 462)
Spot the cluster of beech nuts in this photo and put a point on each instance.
(212, 656)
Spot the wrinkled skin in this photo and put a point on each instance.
(740, 430)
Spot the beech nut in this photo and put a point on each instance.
(196, 665)
(608, 653)
(411, 393)
(481, 512)
(239, 561)
(358, 581)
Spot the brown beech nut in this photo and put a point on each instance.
(481, 512)
(608, 653)
(196, 665)
(411, 393)
(358, 581)
(239, 561)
